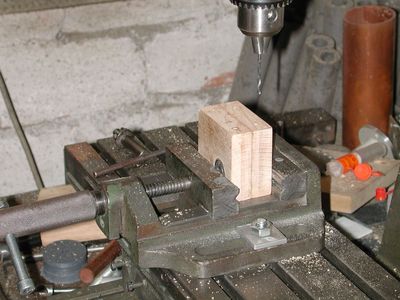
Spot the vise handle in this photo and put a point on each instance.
(35, 217)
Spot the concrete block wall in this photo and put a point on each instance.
(75, 74)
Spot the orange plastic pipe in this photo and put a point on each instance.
(368, 64)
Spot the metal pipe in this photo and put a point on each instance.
(368, 60)
(52, 213)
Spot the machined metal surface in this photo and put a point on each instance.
(260, 22)
(362, 270)
(184, 246)
(195, 231)
(340, 271)
(260, 19)
(209, 188)
(371, 135)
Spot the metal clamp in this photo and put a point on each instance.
(262, 234)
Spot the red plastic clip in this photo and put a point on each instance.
(381, 194)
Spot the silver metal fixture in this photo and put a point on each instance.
(25, 283)
(260, 19)
(262, 227)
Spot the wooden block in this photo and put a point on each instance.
(347, 194)
(85, 231)
(243, 142)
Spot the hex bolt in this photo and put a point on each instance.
(124, 137)
(118, 263)
(262, 227)
(25, 283)
(261, 223)
(219, 166)
(131, 286)
(167, 187)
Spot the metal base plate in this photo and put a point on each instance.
(276, 237)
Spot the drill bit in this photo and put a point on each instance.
(259, 82)
(265, 45)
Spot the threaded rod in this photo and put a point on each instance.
(167, 187)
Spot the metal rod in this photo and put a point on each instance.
(99, 262)
(49, 290)
(52, 213)
(127, 163)
(133, 145)
(25, 283)
(20, 133)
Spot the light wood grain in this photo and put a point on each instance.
(347, 194)
(243, 142)
(85, 231)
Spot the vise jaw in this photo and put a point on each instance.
(202, 231)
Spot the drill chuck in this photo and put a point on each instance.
(260, 20)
